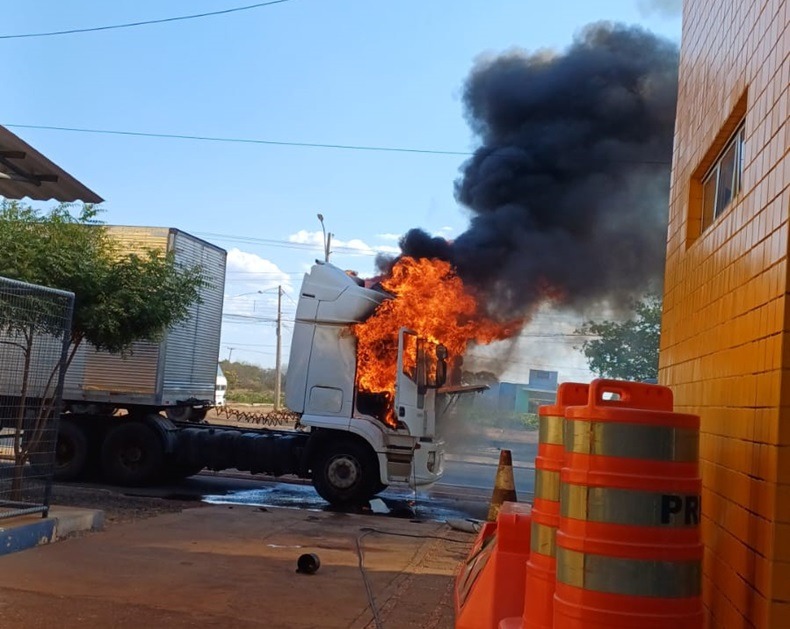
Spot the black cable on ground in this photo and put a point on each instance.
(367, 530)
(368, 586)
(364, 532)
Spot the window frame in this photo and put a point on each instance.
(737, 141)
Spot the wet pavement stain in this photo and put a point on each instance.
(393, 503)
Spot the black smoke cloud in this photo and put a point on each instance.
(569, 188)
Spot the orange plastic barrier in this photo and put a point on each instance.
(490, 586)
(538, 610)
(629, 551)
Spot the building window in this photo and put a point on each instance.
(722, 183)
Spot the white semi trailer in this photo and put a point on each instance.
(351, 444)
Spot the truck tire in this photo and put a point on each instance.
(71, 451)
(345, 472)
(132, 454)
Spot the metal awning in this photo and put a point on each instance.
(24, 172)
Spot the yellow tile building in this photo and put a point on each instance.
(725, 346)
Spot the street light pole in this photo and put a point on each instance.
(278, 364)
(327, 239)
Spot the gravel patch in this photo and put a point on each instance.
(118, 507)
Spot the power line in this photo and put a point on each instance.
(287, 244)
(202, 138)
(94, 29)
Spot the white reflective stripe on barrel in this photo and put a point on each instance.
(632, 441)
(630, 577)
(550, 429)
(629, 506)
(547, 485)
(542, 539)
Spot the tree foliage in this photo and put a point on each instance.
(626, 350)
(120, 297)
(242, 376)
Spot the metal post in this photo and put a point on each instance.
(277, 365)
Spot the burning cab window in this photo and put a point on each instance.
(722, 183)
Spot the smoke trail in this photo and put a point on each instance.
(664, 8)
(569, 188)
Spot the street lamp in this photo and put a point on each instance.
(327, 240)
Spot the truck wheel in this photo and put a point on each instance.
(132, 454)
(345, 472)
(71, 451)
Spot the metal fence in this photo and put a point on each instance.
(34, 334)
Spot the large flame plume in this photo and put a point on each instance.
(430, 299)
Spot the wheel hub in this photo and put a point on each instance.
(132, 456)
(343, 471)
(64, 451)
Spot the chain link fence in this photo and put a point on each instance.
(34, 335)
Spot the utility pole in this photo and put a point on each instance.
(230, 352)
(278, 364)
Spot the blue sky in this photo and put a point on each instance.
(382, 74)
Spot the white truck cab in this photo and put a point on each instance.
(361, 442)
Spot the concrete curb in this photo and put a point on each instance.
(29, 531)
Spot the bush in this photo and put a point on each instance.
(492, 418)
(250, 397)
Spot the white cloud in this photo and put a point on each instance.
(355, 246)
(304, 237)
(254, 283)
(390, 237)
(252, 264)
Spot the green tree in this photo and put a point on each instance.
(627, 350)
(120, 297)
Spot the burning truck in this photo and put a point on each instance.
(368, 373)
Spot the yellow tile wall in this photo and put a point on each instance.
(725, 346)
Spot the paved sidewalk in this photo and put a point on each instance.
(235, 567)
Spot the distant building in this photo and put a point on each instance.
(517, 397)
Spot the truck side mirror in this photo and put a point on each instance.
(441, 365)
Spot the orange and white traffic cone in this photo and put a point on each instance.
(504, 485)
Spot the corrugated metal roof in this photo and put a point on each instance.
(24, 172)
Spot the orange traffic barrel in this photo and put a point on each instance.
(629, 551)
(539, 593)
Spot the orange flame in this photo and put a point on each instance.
(431, 300)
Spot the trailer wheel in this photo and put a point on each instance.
(71, 452)
(132, 454)
(345, 472)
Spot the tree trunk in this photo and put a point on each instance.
(20, 454)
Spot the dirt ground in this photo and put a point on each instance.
(228, 566)
(118, 508)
